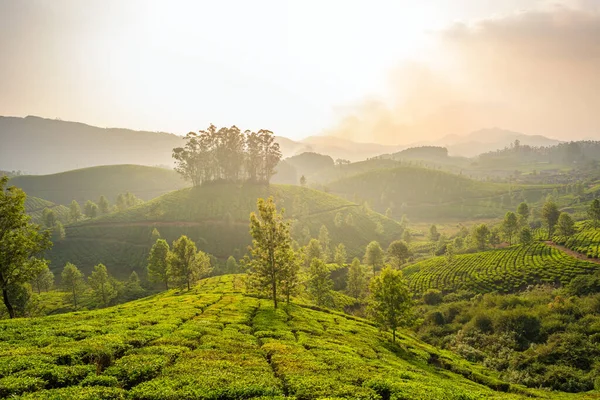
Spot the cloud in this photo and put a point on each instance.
(535, 71)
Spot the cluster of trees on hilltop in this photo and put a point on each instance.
(227, 154)
(562, 153)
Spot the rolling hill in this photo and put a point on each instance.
(91, 183)
(216, 217)
(504, 270)
(218, 342)
(35, 206)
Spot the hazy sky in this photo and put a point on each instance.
(387, 71)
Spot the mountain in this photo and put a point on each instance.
(485, 140)
(347, 149)
(109, 181)
(218, 341)
(216, 217)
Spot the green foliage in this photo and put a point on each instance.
(525, 236)
(43, 280)
(101, 284)
(432, 297)
(49, 218)
(91, 209)
(481, 236)
(186, 264)
(103, 205)
(74, 211)
(510, 225)
(398, 253)
(503, 270)
(72, 281)
(565, 225)
(313, 250)
(523, 213)
(390, 302)
(374, 256)
(21, 242)
(319, 283)
(158, 262)
(357, 280)
(340, 256)
(550, 214)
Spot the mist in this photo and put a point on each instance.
(533, 71)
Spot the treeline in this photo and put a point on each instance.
(562, 153)
(227, 154)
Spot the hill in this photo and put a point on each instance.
(35, 206)
(218, 342)
(215, 216)
(505, 270)
(428, 194)
(91, 183)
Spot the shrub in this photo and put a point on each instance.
(432, 297)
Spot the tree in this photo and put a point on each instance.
(338, 221)
(340, 255)
(100, 283)
(158, 262)
(319, 283)
(133, 287)
(270, 154)
(357, 279)
(21, 243)
(481, 234)
(271, 247)
(74, 211)
(523, 212)
(59, 231)
(434, 235)
(391, 302)
(43, 280)
(594, 212)
(406, 236)
(49, 218)
(231, 267)
(121, 203)
(103, 205)
(450, 253)
(565, 225)
(290, 277)
(510, 225)
(550, 215)
(303, 181)
(90, 209)
(374, 255)
(313, 250)
(525, 237)
(325, 242)
(398, 253)
(154, 235)
(186, 264)
(72, 281)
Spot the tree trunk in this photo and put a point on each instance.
(9, 307)
(188, 284)
(166, 284)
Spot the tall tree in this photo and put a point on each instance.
(290, 276)
(525, 236)
(253, 156)
(121, 203)
(313, 250)
(565, 225)
(481, 235)
(391, 301)
(59, 231)
(434, 235)
(90, 209)
(21, 242)
(325, 242)
(270, 154)
(72, 281)
(594, 212)
(271, 246)
(398, 253)
(158, 262)
(523, 212)
(319, 283)
(100, 283)
(43, 280)
(74, 211)
(103, 205)
(374, 255)
(550, 214)
(340, 255)
(231, 267)
(357, 280)
(49, 218)
(510, 226)
(186, 264)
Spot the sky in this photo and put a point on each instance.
(392, 72)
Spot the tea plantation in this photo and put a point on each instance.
(505, 270)
(586, 242)
(218, 342)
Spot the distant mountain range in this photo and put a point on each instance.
(37, 145)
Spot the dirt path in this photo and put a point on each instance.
(572, 253)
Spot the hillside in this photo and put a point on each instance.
(426, 194)
(109, 181)
(505, 270)
(217, 342)
(216, 217)
(35, 206)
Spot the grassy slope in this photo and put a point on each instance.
(505, 270)
(216, 218)
(91, 183)
(35, 206)
(428, 194)
(216, 342)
